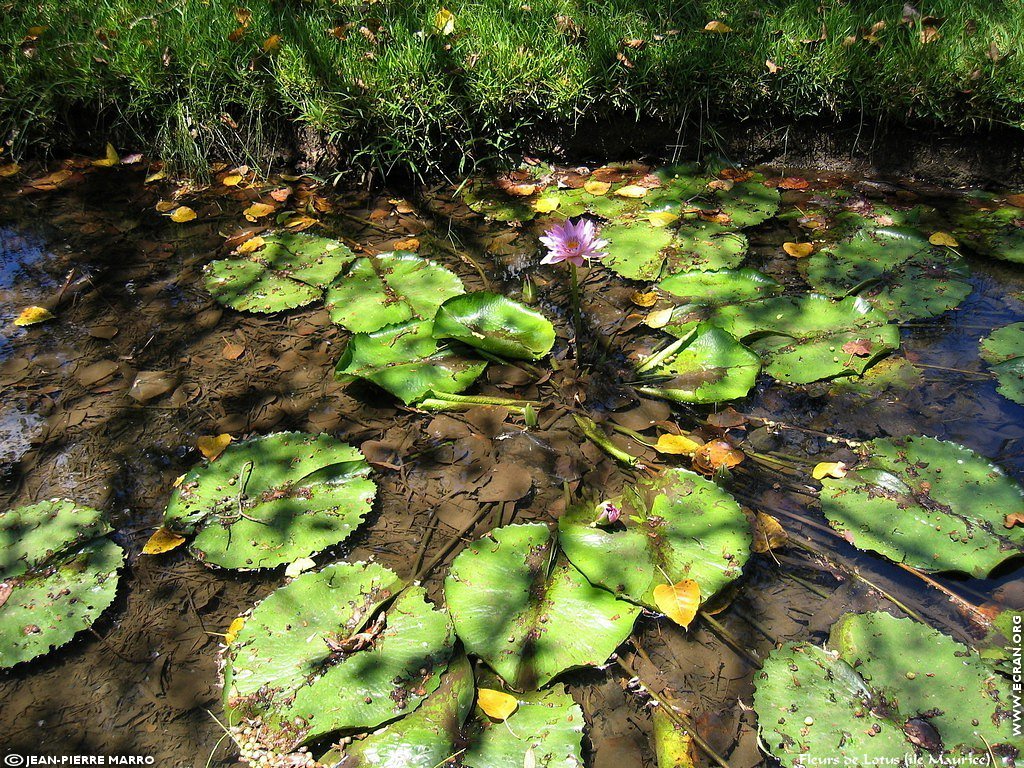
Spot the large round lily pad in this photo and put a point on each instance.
(527, 612)
(641, 251)
(811, 703)
(930, 676)
(930, 504)
(272, 500)
(427, 737)
(808, 338)
(1003, 350)
(748, 203)
(677, 526)
(289, 271)
(699, 294)
(57, 575)
(318, 656)
(378, 291)
(408, 362)
(896, 270)
(495, 323)
(547, 727)
(707, 366)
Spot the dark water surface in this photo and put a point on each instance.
(125, 284)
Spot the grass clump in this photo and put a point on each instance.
(191, 80)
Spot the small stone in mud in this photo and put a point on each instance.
(149, 385)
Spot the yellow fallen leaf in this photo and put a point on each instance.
(272, 44)
(641, 299)
(182, 214)
(232, 180)
(678, 601)
(659, 318)
(163, 206)
(496, 704)
(943, 238)
(33, 315)
(161, 174)
(676, 445)
(162, 541)
(661, 218)
(444, 22)
(632, 191)
(300, 223)
(233, 630)
(111, 158)
(9, 169)
(250, 245)
(836, 469)
(597, 188)
(408, 244)
(257, 211)
(717, 455)
(35, 31)
(212, 446)
(798, 250)
(1016, 200)
(546, 204)
(718, 27)
(768, 533)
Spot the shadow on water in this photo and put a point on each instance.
(126, 285)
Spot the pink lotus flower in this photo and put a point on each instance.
(575, 243)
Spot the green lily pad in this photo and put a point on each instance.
(707, 366)
(1003, 350)
(673, 747)
(485, 198)
(391, 288)
(495, 323)
(802, 339)
(702, 245)
(291, 270)
(996, 649)
(699, 294)
(426, 738)
(928, 675)
(548, 725)
(993, 232)
(640, 251)
(930, 504)
(272, 500)
(898, 271)
(297, 665)
(748, 203)
(635, 250)
(527, 612)
(810, 702)
(408, 362)
(685, 527)
(57, 576)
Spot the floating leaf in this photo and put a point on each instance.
(528, 619)
(680, 526)
(497, 705)
(635, 250)
(676, 445)
(707, 366)
(1003, 350)
(233, 630)
(769, 534)
(836, 469)
(427, 737)
(272, 499)
(678, 601)
(494, 203)
(748, 203)
(231, 180)
(811, 702)
(408, 362)
(717, 455)
(597, 188)
(798, 250)
(924, 672)
(943, 238)
(672, 747)
(182, 214)
(547, 728)
(258, 211)
(354, 667)
(930, 504)
(496, 324)
(632, 191)
(801, 338)
(59, 576)
(111, 158)
(378, 291)
(896, 270)
(33, 316)
(289, 271)
(162, 541)
(698, 294)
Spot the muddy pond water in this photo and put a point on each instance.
(105, 404)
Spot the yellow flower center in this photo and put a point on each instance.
(572, 245)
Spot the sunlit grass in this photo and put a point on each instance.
(164, 74)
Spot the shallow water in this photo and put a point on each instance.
(125, 284)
